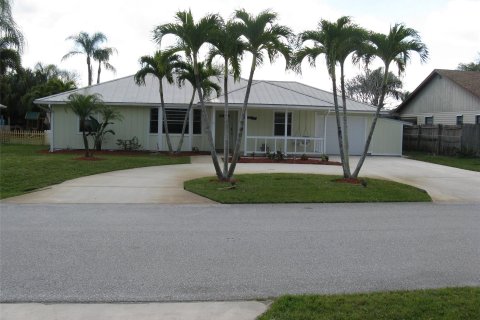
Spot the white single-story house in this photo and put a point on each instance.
(282, 115)
(448, 97)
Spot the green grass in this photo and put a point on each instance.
(435, 304)
(302, 188)
(467, 163)
(23, 168)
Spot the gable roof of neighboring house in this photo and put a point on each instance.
(266, 93)
(468, 80)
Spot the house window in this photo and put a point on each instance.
(477, 119)
(88, 125)
(279, 124)
(429, 120)
(459, 120)
(175, 118)
(154, 120)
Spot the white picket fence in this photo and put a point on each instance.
(24, 137)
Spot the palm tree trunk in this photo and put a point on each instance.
(241, 127)
(345, 124)
(180, 143)
(206, 120)
(374, 123)
(226, 126)
(165, 122)
(89, 66)
(339, 126)
(99, 71)
(85, 140)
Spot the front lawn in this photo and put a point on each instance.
(24, 168)
(302, 188)
(435, 304)
(467, 163)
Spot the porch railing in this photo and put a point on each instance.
(288, 145)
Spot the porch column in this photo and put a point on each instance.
(325, 133)
(52, 144)
(246, 134)
(285, 131)
(160, 129)
(190, 129)
(213, 125)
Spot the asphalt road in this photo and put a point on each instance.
(109, 253)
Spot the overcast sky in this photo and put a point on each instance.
(450, 29)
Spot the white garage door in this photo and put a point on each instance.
(356, 134)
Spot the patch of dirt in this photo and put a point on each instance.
(290, 160)
(349, 180)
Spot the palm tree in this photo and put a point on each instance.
(350, 39)
(191, 37)
(326, 42)
(185, 73)
(84, 106)
(9, 28)
(108, 114)
(263, 36)
(103, 56)
(228, 45)
(397, 47)
(9, 57)
(161, 65)
(86, 44)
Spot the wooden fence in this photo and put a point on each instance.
(443, 139)
(23, 137)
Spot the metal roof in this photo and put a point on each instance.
(264, 93)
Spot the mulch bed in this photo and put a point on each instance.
(125, 153)
(290, 160)
(88, 159)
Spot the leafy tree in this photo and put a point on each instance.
(395, 47)
(336, 41)
(185, 73)
(87, 45)
(263, 37)
(99, 129)
(472, 66)
(52, 86)
(161, 65)
(84, 106)
(191, 37)
(367, 87)
(228, 45)
(103, 57)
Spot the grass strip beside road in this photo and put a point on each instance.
(466, 163)
(302, 188)
(24, 168)
(434, 304)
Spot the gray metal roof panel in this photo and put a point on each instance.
(125, 91)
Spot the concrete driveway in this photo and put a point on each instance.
(164, 184)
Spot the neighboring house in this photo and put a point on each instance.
(448, 97)
(282, 115)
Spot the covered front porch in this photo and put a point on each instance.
(269, 130)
